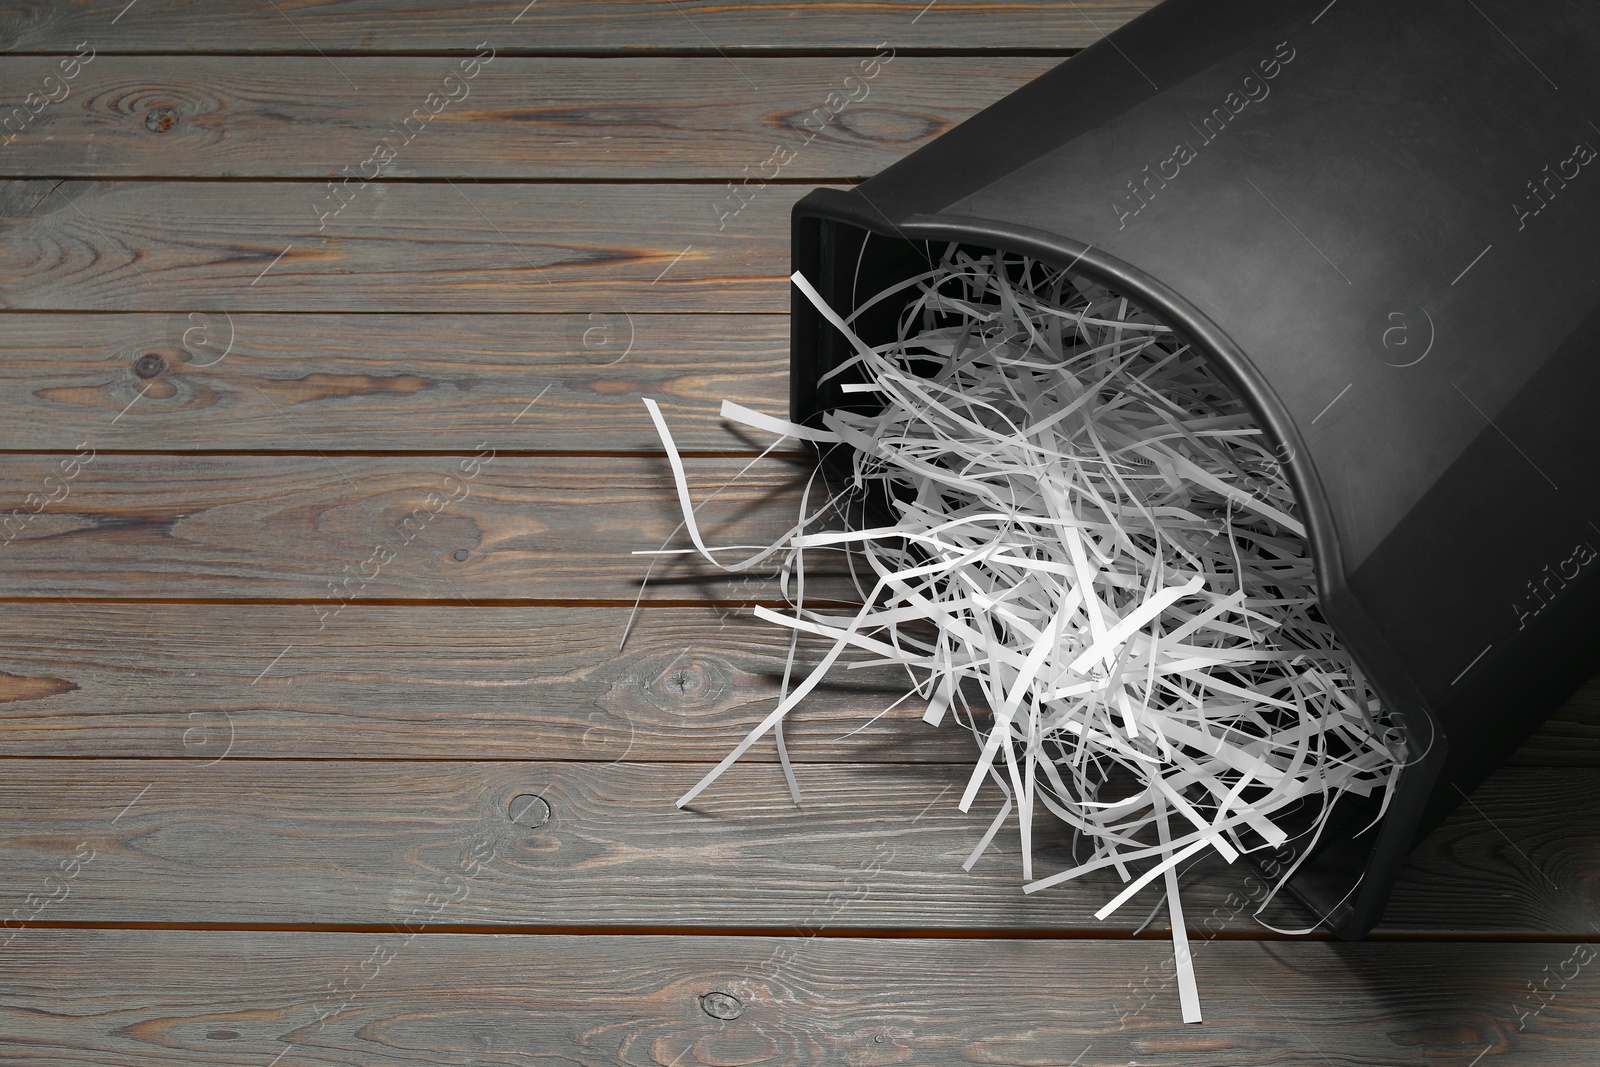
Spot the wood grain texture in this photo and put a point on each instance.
(360, 842)
(340, 531)
(141, 997)
(871, 847)
(1568, 735)
(195, 26)
(199, 680)
(446, 682)
(241, 415)
(456, 247)
(263, 383)
(692, 117)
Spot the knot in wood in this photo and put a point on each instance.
(149, 365)
(161, 119)
(683, 681)
(721, 1005)
(528, 810)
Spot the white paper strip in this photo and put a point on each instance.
(1183, 960)
(781, 427)
(1081, 523)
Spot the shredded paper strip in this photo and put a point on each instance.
(1082, 548)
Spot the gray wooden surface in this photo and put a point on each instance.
(266, 801)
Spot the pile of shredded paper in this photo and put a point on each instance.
(1091, 560)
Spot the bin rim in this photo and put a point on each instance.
(1155, 296)
(1397, 691)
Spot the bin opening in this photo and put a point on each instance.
(991, 382)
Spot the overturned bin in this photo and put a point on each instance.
(1377, 223)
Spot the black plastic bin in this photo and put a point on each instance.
(1380, 222)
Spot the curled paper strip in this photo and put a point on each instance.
(1084, 528)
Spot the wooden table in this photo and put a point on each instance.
(325, 329)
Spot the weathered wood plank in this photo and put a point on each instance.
(556, 25)
(425, 682)
(257, 246)
(222, 381)
(1567, 737)
(512, 118)
(486, 527)
(363, 842)
(92, 997)
(171, 680)
(295, 842)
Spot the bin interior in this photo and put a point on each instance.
(849, 265)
